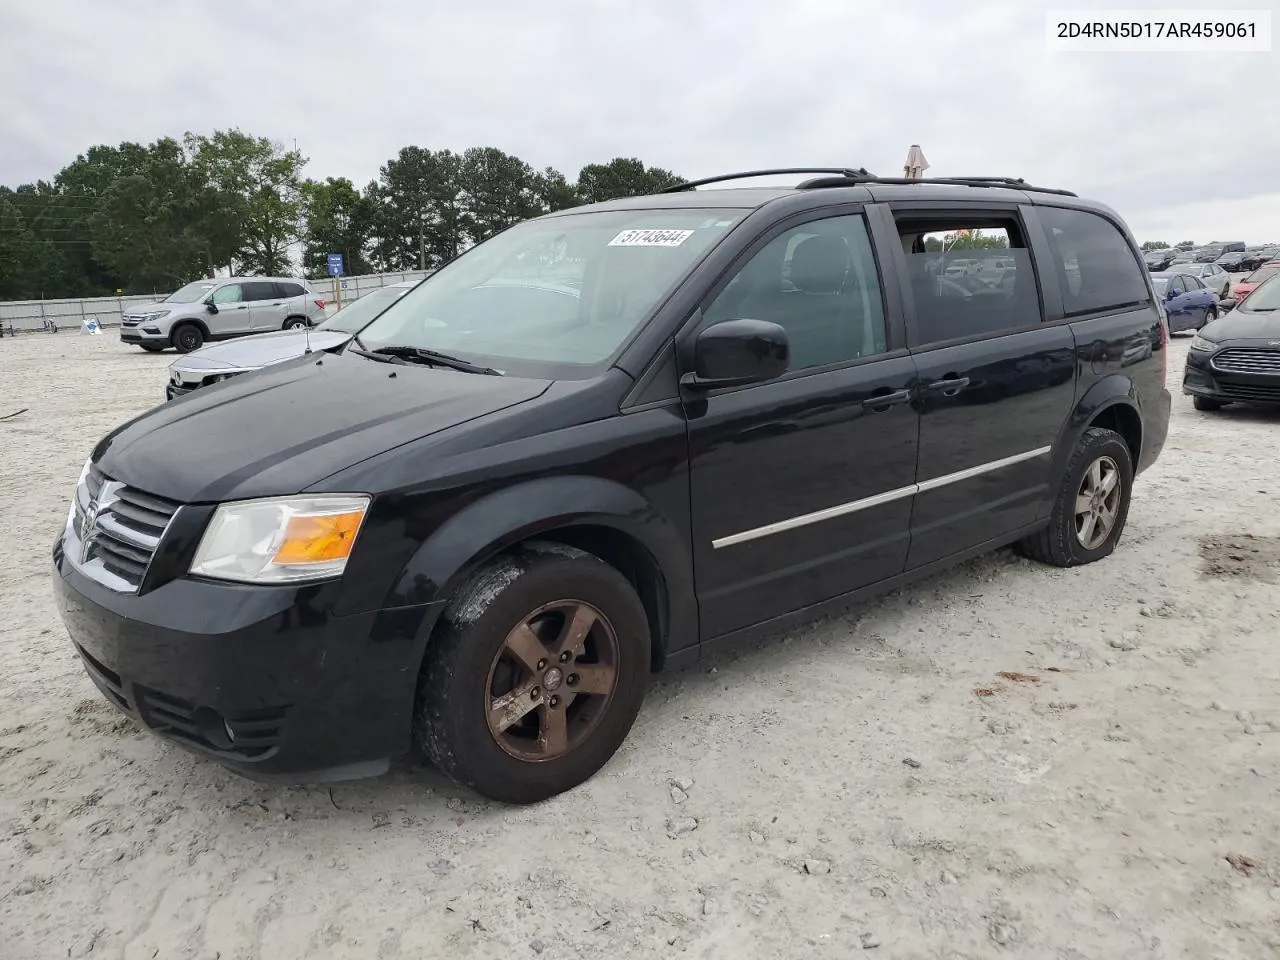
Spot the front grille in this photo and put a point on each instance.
(130, 321)
(1250, 392)
(117, 530)
(1248, 360)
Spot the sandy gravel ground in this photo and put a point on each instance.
(871, 783)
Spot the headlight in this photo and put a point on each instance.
(154, 315)
(84, 473)
(1204, 346)
(280, 540)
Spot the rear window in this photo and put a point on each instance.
(1097, 268)
(290, 289)
(1262, 273)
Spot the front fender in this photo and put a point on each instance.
(526, 510)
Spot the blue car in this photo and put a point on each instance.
(1187, 301)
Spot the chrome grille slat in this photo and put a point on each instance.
(1249, 360)
(115, 544)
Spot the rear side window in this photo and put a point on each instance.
(259, 290)
(290, 289)
(969, 277)
(1097, 269)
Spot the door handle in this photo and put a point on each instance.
(884, 401)
(949, 387)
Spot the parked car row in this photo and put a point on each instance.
(1232, 260)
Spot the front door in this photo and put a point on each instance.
(232, 317)
(996, 384)
(267, 309)
(801, 487)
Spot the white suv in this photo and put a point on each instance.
(219, 310)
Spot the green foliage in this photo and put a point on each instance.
(146, 218)
(1154, 245)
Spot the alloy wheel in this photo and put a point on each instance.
(1098, 503)
(551, 682)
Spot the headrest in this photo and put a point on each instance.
(820, 264)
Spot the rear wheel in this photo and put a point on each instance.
(1092, 505)
(1205, 404)
(1210, 314)
(188, 337)
(295, 323)
(535, 675)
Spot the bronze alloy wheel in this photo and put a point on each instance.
(552, 680)
(1098, 503)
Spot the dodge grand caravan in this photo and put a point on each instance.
(604, 442)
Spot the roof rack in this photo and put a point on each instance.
(846, 173)
(846, 176)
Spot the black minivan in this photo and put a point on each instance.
(605, 441)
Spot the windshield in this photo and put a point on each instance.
(191, 292)
(1262, 273)
(1266, 297)
(359, 312)
(554, 293)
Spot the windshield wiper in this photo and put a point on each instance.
(432, 358)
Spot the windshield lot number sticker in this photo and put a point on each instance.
(650, 238)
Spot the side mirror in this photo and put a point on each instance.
(211, 306)
(1227, 303)
(737, 352)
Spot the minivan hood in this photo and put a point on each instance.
(1243, 324)
(291, 425)
(260, 350)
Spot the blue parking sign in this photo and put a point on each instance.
(334, 261)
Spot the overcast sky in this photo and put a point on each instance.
(1184, 145)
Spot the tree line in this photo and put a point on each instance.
(144, 218)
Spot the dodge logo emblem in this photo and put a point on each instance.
(89, 527)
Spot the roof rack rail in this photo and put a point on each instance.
(848, 176)
(845, 173)
(1013, 183)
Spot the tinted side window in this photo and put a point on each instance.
(231, 293)
(969, 277)
(1098, 270)
(1176, 285)
(818, 281)
(260, 290)
(1194, 284)
(290, 290)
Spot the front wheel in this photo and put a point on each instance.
(1092, 504)
(535, 674)
(1205, 404)
(151, 347)
(188, 337)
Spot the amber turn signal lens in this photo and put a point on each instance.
(317, 539)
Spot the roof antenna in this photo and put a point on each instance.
(307, 334)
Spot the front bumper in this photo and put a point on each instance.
(138, 335)
(1202, 379)
(264, 680)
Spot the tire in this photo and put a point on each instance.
(468, 665)
(296, 323)
(187, 337)
(1205, 404)
(1060, 544)
(1210, 315)
(151, 347)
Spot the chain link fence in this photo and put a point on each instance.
(53, 316)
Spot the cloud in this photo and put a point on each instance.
(700, 88)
